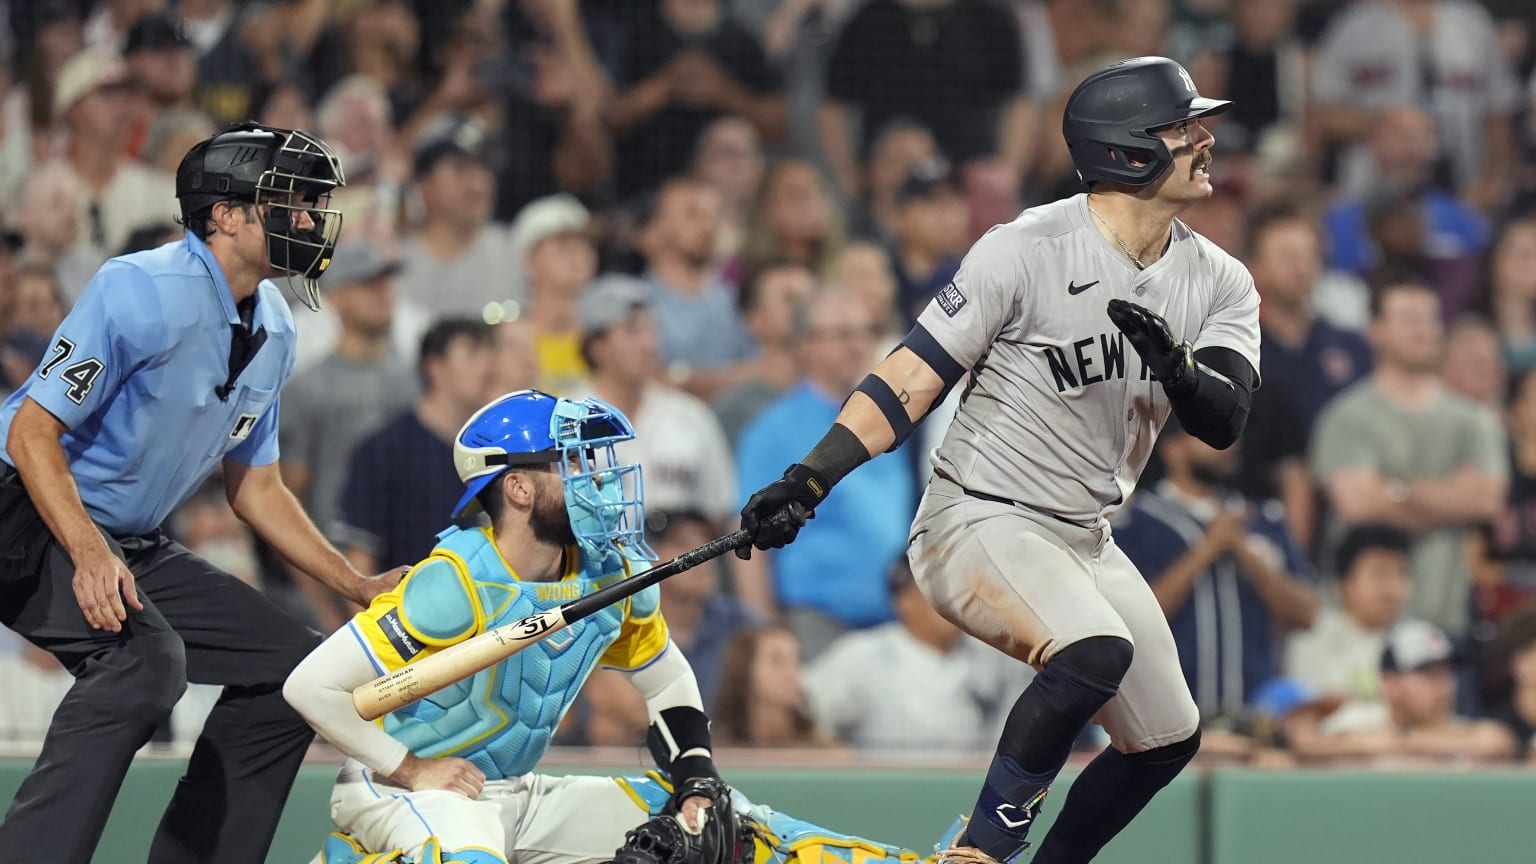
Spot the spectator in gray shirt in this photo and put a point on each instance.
(1399, 448)
(344, 398)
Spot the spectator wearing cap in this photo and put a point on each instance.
(875, 689)
(1419, 723)
(704, 348)
(458, 262)
(329, 408)
(769, 297)
(115, 194)
(678, 442)
(1340, 654)
(401, 485)
(687, 64)
(931, 223)
(164, 70)
(1225, 570)
(408, 321)
(551, 239)
(161, 61)
(894, 150)
(856, 534)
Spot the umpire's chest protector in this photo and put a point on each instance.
(501, 719)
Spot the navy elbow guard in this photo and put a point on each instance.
(1215, 408)
(679, 742)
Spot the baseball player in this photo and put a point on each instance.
(1082, 323)
(169, 365)
(450, 778)
(744, 833)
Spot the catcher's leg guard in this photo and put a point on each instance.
(342, 849)
(432, 852)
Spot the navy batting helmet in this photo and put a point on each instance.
(1109, 117)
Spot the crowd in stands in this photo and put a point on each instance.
(718, 214)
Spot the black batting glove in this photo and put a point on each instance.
(775, 513)
(1172, 362)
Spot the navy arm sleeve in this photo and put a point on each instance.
(1216, 411)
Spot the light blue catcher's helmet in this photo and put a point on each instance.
(604, 497)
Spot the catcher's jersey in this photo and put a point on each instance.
(501, 719)
(1060, 415)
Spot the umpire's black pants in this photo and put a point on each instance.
(199, 624)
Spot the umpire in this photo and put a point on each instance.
(169, 365)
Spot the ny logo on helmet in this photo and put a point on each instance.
(1184, 76)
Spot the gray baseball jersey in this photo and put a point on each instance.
(1060, 415)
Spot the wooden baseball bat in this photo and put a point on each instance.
(422, 678)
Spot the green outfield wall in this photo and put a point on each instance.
(1214, 817)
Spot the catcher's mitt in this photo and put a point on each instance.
(725, 838)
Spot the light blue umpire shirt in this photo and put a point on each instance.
(132, 374)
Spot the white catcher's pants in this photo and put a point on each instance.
(534, 819)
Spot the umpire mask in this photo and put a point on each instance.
(304, 172)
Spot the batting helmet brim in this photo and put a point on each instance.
(1196, 107)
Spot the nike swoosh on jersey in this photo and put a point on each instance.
(1074, 289)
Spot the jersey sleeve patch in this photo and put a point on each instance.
(437, 604)
(950, 299)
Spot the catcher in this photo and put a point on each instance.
(451, 777)
(735, 832)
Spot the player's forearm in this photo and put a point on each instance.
(320, 690)
(259, 498)
(679, 737)
(878, 415)
(35, 449)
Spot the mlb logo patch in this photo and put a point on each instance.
(951, 300)
(243, 427)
